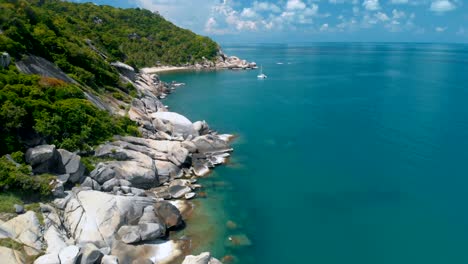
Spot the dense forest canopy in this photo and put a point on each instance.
(82, 38)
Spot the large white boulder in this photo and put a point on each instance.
(182, 125)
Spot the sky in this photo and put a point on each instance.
(295, 21)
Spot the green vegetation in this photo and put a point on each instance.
(10, 243)
(7, 201)
(36, 208)
(55, 110)
(82, 38)
(13, 178)
(15, 245)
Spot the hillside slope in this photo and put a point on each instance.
(80, 38)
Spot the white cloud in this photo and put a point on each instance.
(193, 15)
(324, 27)
(382, 16)
(265, 6)
(442, 6)
(371, 5)
(440, 29)
(248, 12)
(311, 11)
(398, 14)
(295, 5)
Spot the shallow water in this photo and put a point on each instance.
(347, 153)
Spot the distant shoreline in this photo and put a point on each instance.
(161, 69)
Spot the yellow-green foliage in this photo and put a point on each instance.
(10, 243)
(15, 178)
(7, 201)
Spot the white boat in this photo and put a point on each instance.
(261, 75)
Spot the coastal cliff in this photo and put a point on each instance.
(113, 168)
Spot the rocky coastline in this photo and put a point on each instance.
(222, 62)
(123, 208)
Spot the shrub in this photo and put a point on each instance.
(18, 156)
(14, 178)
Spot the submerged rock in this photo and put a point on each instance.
(240, 240)
(203, 258)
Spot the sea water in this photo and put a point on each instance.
(346, 153)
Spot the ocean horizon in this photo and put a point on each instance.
(346, 153)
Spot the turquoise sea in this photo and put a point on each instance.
(348, 153)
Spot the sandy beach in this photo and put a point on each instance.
(160, 69)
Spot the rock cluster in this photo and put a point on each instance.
(226, 62)
(120, 211)
(233, 62)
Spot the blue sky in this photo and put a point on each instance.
(315, 20)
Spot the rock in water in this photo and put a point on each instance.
(151, 231)
(190, 195)
(43, 159)
(169, 214)
(211, 143)
(178, 191)
(203, 258)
